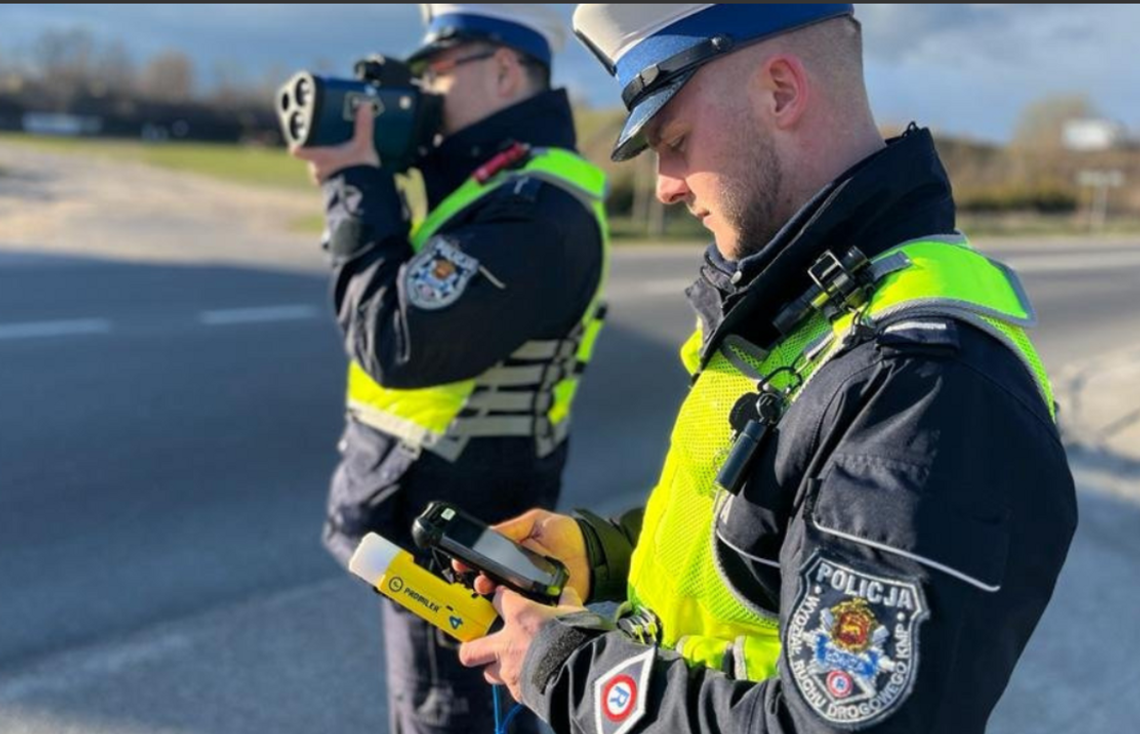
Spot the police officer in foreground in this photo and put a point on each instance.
(468, 332)
(865, 506)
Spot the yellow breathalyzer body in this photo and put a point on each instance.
(453, 608)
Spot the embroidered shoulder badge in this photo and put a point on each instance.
(438, 275)
(619, 695)
(852, 644)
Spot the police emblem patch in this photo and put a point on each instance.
(619, 695)
(437, 276)
(852, 644)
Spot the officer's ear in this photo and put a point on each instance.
(511, 79)
(785, 79)
(509, 74)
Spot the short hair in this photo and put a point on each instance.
(537, 73)
(833, 49)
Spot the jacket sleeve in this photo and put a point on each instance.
(925, 545)
(522, 265)
(609, 548)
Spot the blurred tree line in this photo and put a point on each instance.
(70, 72)
(70, 64)
(1033, 177)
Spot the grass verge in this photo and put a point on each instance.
(243, 164)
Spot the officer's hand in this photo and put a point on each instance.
(502, 654)
(550, 534)
(326, 161)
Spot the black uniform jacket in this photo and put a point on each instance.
(906, 525)
(538, 258)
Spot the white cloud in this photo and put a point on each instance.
(973, 68)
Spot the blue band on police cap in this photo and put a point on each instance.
(503, 32)
(740, 22)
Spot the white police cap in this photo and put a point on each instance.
(652, 50)
(536, 30)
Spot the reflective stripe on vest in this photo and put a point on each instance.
(530, 393)
(675, 571)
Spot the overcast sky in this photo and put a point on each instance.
(964, 69)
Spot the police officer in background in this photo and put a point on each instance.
(865, 506)
(467, 333)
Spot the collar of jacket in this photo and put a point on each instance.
(898, 194)
(544, 120)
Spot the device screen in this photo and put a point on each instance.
(498, 548)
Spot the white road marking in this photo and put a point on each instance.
(630, 288)
(635, 290)
(40, 329)
(85, 666)
(1073, 262)
(258, 315)
(77, 668)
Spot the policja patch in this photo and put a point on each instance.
(619, 695)
(852, 644)
(437, 277)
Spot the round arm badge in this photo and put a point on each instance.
(438, 275)
(852, 643)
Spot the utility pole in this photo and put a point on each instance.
(1100, 181)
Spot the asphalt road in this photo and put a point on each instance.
(166, 436)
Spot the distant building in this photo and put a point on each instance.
(1091, 134)
(61, 123)
(39, 109)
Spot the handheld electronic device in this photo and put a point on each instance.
(393, 572)
(471, 542)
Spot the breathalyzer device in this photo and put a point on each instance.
(392, 571)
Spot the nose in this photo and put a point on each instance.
(671, 190)
(671, 186)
